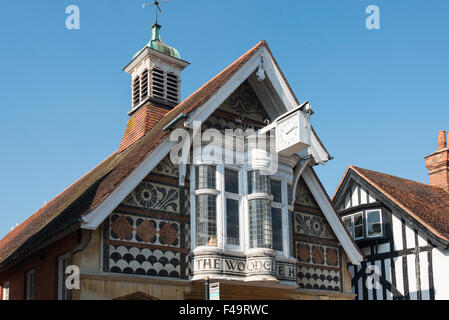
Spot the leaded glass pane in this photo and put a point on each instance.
(206, 220)
(260, 224)
(258, 182)
(205, 177)
(276, 218)
(276, 190)
(231, 181)
(232, 222)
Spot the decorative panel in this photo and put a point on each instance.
(304, 196)
(150, 195)
(244, 101)
(318, 254)
(319, 279)
(312, 225)
(143, 261)
(145, 230)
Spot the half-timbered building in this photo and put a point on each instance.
(141, 226)
(402, 228)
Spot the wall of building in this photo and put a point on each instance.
(45, 262)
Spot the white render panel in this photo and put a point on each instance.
(388, 277)
(397, 232)
(363, 196)
(379, 291)
(424, 271)
(371, 199)
(411, 270)
(422, 242)
(383, 248)
(399, 278)
(347, 201)
(410, 235)
(355, 196)
(360, 285)
(440, 261)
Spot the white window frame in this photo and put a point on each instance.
(31, 284)
(62, 277)
(5, 291)
(363, 224)
(234, 196)
(351, 230)
(380, 221)
(279, 205)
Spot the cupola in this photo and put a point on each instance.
(155, 71)
(155, 86)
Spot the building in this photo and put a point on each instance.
(402, 227)
(140, 226)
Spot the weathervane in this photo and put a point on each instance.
(156, 6)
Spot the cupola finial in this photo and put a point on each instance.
(156, 7)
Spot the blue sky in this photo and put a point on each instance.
(380, 96)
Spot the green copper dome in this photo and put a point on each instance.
(157, 44)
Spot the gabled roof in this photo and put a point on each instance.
(85, 195)
(104, 178)
(427, 204)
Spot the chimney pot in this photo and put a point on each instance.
(442, 143)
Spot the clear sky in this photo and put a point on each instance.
(380, 96)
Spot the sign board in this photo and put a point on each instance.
(214, 291)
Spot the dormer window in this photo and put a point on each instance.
(364, 224)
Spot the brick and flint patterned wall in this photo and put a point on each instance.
(149, 233)
(318, 252)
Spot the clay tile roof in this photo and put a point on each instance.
(429, 205)
(88, 192)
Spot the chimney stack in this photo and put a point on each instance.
(442, 143)
(438, 163)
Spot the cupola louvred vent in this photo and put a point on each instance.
(136, 91)
(172, 88)
(158, 83)
(144, 85)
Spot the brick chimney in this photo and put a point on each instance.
(438, 163)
